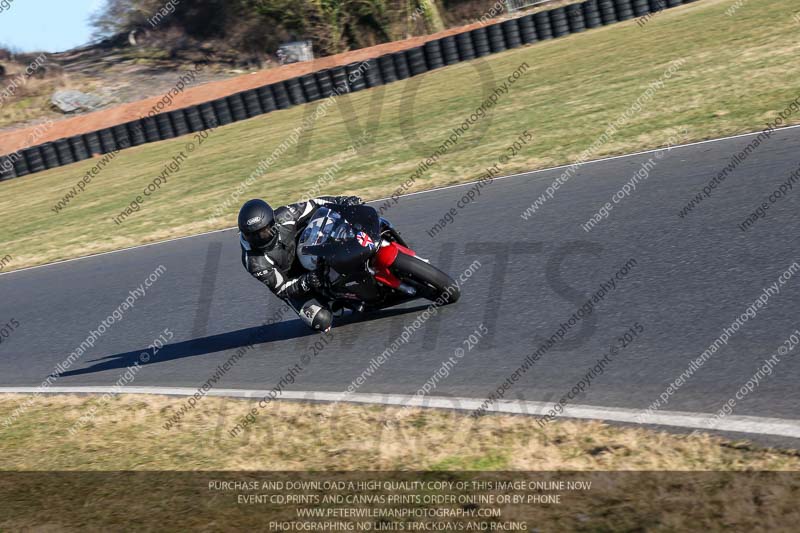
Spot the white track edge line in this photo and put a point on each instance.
(527, 172)
(780, 427)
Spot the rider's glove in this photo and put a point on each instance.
(310, 282)
(352, 200)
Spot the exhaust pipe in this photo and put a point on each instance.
(406, 288)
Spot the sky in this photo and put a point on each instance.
(46, 25)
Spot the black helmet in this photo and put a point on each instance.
(257, 224)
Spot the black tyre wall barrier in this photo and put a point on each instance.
(401, 65)
(450, 50)
(591, 14)
(92, 140)
(20, 166)
(373, 73)
(480, 42)
(180, 122)
(355, 77)
(466, 50)
(575, 18)
(511, 33)
(165, 130)
(121, 136)
(33, 157)
(559, 22)
(7, 168)
(50, 156)
(237, 107)
(497, 41)
(324, 82)
(107, 140)
(310, 87)
(608, 13)
(281, 95)
(208, 115)
(135, 133)
(135, 130)
(416, 60)
(527, 29)
(641, 7)
(266, 98)
(339, 79)
(108, 143)
(194, 118)
(64, 151)
(150, 127)
(433, 54)
(386, 65)
(252, 105)
(624, 9)
(296, 96)
(79, 147)
(543, 28)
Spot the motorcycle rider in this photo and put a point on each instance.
(269, 243)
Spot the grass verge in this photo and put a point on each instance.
(738, 72)
(127, 433)
(124, 465)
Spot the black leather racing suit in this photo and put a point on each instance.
(277, 268)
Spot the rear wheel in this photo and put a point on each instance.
(430, 282)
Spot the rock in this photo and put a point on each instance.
(295, 52)
(72, 101)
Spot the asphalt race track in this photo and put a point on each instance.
(692, 277)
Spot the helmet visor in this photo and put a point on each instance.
(262, 237)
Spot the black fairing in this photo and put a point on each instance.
(355, 285)
(362, 217)
(344, 257)
(348, 256)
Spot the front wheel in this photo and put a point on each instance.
(431, 283)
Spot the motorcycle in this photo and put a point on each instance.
(365, 264)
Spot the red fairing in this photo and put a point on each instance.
(407, 251)
(386, 256)
(384, 259)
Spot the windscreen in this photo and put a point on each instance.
(324, 225)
